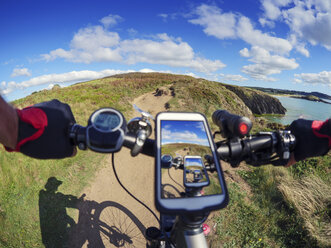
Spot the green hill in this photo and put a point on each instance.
(269, 218)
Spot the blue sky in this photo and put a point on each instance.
(194, 162)
(268, 43)
(192, 132)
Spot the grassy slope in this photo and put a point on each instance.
(21, 178)
(269, 218)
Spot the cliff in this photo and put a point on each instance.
(200, 95)
(257, 101)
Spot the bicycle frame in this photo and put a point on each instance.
(186, 230)
(178, 231)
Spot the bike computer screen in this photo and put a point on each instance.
(106, 121)
(105, 130)
(188, 184)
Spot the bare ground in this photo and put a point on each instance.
(117, 219)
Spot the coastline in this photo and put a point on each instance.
(308, 98)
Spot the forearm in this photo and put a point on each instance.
(8, 124)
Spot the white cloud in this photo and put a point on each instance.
(308, 20)
(21, 72)
(215, 23)
(265, 22)
(132, 32)
(91, 44)
(235, 78)
(323, 78)
(265, 64)
(182, 137)
(165, 17)
(96, 44)
(299, 46)
(234, 26)
(161, 51)
(111, 20)
(297, 80)
(148, 70)
(50, 86)
(311, 21)
(260, 72)
(6, 88)
(191, 74)
(69, 77)
(272, 9)
(255, 37)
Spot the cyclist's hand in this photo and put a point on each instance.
(43, 130)
(313, 138)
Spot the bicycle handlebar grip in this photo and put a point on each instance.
(232, 125)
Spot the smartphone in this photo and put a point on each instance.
(195, 173)
(183, 183)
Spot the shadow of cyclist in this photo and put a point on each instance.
(58, 229)
(55, 223)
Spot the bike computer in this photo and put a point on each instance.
(187, 186)
(105, 130)
(106, 120)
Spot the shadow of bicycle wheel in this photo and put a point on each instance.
(105, 224)
(119, 226)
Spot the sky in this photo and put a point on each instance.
(192, 132)
(282, 44)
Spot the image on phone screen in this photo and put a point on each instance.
(195, 173)
(184, 148)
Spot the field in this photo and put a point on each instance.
(269, 206)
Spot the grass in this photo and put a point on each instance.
(22, 178)
(288, 208)
(276, 213)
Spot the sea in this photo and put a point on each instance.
(300, 108)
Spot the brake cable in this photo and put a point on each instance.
(174, 180)
(127, 191)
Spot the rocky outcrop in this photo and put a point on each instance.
(257, 101)
(311, 98)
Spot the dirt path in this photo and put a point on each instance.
(137, 175)
(120, 220)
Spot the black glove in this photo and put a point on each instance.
(44, 130)
(313, 138)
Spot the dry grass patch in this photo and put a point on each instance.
(312, 199)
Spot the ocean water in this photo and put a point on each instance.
(299, 108)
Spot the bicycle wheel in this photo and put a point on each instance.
(119, 227)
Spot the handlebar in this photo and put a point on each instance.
(263, 148)
(258, 149)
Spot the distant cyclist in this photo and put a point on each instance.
(41, 131)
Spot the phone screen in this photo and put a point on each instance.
(195, 173)
(187, 145)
